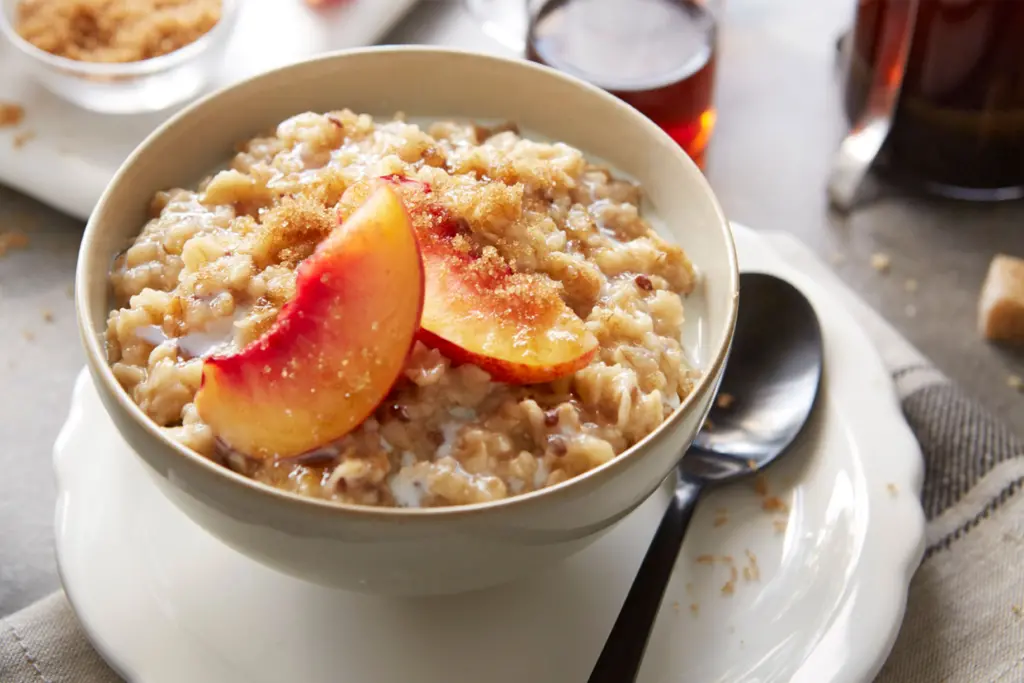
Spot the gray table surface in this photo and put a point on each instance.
(779, 121)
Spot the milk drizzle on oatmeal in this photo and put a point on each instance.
(212, 268)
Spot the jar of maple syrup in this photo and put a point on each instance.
(657, 55)
(958, 125)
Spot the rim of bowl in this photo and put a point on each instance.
(96, 354)
(144, 67)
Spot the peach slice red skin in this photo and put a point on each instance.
(337, 347)
(522, 338)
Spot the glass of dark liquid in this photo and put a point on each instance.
(958, 126)
(657, 55)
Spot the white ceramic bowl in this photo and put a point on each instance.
(397, 550)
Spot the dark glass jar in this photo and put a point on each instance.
(958, 127)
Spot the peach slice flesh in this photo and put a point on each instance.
(336, 348)
(477, 310)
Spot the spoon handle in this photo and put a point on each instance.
(624, 650)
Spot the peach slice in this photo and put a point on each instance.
(335, 349)
(478, 310)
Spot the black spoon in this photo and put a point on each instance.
(772, 376)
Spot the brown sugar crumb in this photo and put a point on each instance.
(774, 504)
(780, 525)
(694, 609)
(29, 335)
(761, 485)
(291, 231)
(10, 241)
(881, 262)
(48, 316)
(721, 520)
(729, 587)
(1001, 304)
(23, 138)
(725, 401)
(11, 114)
(892, 489)
(114, 30)
(706, 559)
(752, 572)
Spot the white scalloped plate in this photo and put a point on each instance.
(164, 602)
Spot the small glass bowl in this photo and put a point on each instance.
(131, 87)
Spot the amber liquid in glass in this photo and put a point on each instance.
(959, 121)
(657, 55)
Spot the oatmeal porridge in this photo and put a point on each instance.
(481, 410)
(114, 30)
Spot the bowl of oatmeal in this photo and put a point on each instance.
(405, 339)
(119, 57)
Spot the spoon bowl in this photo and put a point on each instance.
(768, 391)
(769, 387)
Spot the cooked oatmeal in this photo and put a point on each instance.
(212, 268)
(114, 30)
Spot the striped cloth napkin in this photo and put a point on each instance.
(965, 618)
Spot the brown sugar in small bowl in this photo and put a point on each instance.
(131, 87)
(417, 551)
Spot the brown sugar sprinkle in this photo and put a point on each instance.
(694, 609)
(48, 316)
(892, 489)
(752, 568)
(114, 31)
(725, 401)
(720, 521)
(774, 504)
(9, 241)
(729, 588)
(23, 138)
(644, 282)
(761, 485)
(706, 559)
(11, 114)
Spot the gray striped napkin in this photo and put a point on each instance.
(965, 618)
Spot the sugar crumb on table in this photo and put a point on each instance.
(881, 262)
(48, 316)
(1001, 302)
(695, 609)
(725, 400)
(11, 240)
(11, 114)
